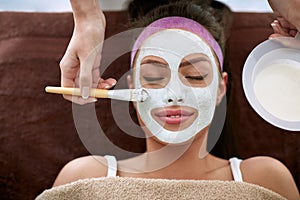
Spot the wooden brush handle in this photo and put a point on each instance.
(98, 93)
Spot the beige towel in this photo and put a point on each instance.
(139, 188)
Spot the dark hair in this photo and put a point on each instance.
(139, 17)
(139, 8)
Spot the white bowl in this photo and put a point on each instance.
(273, 90)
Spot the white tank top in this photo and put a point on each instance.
(234, 165)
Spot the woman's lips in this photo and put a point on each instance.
(173, 116)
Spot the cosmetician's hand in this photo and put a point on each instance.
(288, 17)
(80, 64)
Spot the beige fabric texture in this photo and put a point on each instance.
(140, 188)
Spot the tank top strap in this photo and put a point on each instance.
(111, 166)
(235, 169)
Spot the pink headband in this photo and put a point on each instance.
(178, 23)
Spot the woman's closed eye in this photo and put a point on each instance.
(153, 78)
(197, 78)
(154, 82)
(154, 72)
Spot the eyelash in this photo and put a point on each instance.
(153, 79)
(197, 78)
(156, 79)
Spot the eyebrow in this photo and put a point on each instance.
(193, 60)
(156, 62)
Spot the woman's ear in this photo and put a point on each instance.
(222, 87)
(129, 82)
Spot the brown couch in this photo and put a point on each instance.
(37, 131)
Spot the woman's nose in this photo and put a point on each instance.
(173, 98)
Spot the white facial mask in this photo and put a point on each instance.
(173, 45)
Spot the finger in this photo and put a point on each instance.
(86, 74)
(96, 64)
(69, 66)
(279, 29)
(288, 27)
(289, 42)
(106, 84)
(111, 81)
(285, 24)
(95, 76)
(276, 35)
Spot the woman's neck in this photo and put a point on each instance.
(195, 148)
(162, 160)
(164, 157)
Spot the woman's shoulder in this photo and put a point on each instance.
(270, 173)
(82, 168)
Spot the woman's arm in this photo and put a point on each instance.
(82, 168)
(270, 173)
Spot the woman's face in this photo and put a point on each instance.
(179, 71)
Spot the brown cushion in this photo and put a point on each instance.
(38, 133)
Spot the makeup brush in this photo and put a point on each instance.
(139, 95)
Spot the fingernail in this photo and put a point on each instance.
(275, 27)
(114, 83)
(93, 101)
(107, 86)
(85, 93)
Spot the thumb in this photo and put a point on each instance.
(85, 78)
(289, 42)
(88, 69)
